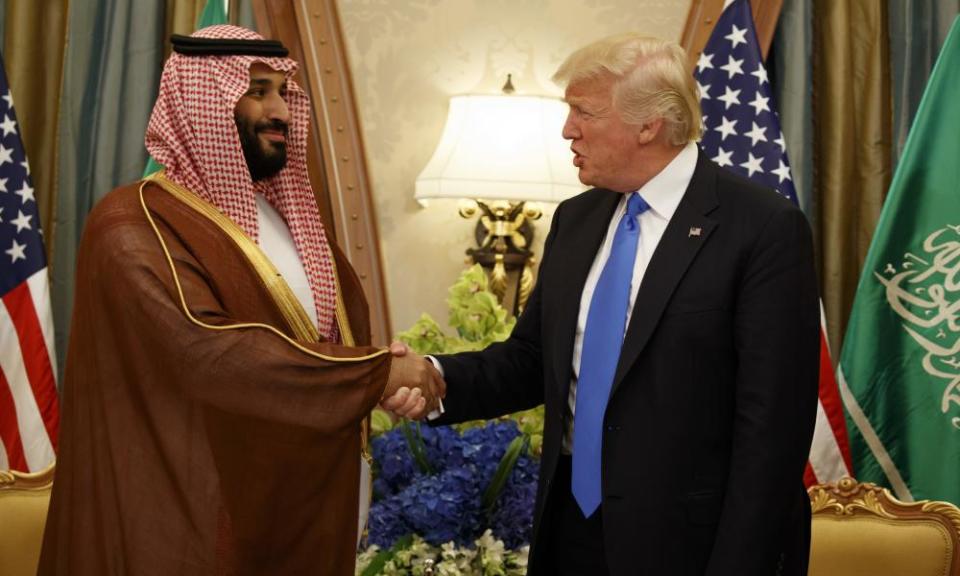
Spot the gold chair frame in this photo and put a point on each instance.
(26, 552)
(849, 498)
(14, 480)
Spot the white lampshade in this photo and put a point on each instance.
(502, 148)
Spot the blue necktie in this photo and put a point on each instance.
(602, 340)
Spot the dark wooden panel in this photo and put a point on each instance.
(703, 15)
(336, 160)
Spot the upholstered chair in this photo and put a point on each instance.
(863, 530)
(24, 499)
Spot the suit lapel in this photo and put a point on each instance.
(688, 230)
(578, 253)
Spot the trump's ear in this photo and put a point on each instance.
(649, 130)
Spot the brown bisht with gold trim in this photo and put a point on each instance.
(205, 430)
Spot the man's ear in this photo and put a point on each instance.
(649, 130)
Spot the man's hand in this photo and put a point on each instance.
(414, 387)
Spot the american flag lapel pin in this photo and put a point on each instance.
(694, 231)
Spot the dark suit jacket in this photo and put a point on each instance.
(710, 418)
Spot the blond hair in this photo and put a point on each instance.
(652, 79)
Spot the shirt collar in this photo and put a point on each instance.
(665, 190)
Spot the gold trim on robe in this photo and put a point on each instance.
(277, 287)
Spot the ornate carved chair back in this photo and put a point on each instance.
(24, 499)
(863, 530)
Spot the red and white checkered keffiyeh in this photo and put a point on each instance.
(193, 134)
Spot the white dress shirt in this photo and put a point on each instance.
(277, 243)
(663, 193)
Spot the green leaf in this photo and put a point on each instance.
(425, 336)
(507, 462)
(417, 449)
(380, 422)
(475, 314)
(380, 560)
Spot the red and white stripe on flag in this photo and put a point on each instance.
(29, 411)
(830, 451)
(741, 132)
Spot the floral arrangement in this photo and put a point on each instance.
(475, 314)
(454, 500)
(487, 557)
(449, 490)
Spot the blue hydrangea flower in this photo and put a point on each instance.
(512, 519)
(387, 522)
(446, 505)
(484, 447)
(394, 464)
(444, 446)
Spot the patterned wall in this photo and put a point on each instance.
(408, 57)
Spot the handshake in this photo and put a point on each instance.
(414, 387)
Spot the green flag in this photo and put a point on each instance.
(214, 12)
(899, 370)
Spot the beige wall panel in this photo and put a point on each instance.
(408, 57)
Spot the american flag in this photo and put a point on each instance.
(742, 134)
(29, 412)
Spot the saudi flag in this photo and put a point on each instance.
(899, 371)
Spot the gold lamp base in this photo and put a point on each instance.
(503, 235)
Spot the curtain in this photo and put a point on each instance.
(791, 74)
(182, 17)
(34, 32)
(114, 57)
(791, 78)
(852, 142)
(917, 32)
(244, 14)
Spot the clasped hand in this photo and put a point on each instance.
(414, 386)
